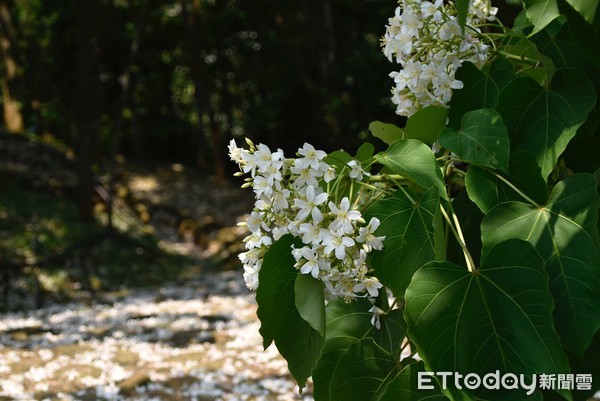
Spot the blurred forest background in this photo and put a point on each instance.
(114, 110)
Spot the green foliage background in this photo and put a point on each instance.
(201, 72)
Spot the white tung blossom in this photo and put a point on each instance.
(310, 205)
(292, 198)
(312, 157)
(367, 235)
(425, 39)
(344, 216)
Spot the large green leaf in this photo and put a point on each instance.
(527, 176)
(486, 190)
(310, 301)
(388, 133)
(585, 36)
(391, 333)
(348, 323)
(415, 161)
(498, 317)
(544, 120)
(564, 231)
(541, 12)
(537, 65)
(405, 386)
(354, 320)
(349, 319)
(588, 9)
(573, 44)
(363, 372)
(482, 139)
(323, 372)
(297, 341)
(426, 124)
(365, 152)
(409, 237)
(339, 159)
(557, 41)
(481, 88)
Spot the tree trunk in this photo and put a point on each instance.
(327, 63)
(137, 137)
(123, 102)
(13, 119)
(87, 101)
(327, 47)
(191, 23)
(217, 148)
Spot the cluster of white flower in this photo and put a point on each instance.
(291, 199)
(427, 41)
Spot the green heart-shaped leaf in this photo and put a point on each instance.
(365, 152)
(362, 373)
(558, 42)
(588, 9)
(565, 233)
(409, 237)
(541, 12)
(297, 341)
(388, 133)
(544, 120)
(348, 323)
(415, 161)
(310, 301)
(498, 317)
(353, 320)
(426, 124)
(482, 139)
(487, 190)
(332, 352)
(481, 88)
(349, 319)
(391, 332)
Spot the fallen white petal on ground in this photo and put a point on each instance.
(198, 342)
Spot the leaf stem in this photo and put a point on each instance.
(374, 199)
(373, 187)
(454, 225)
(336, 184)
(515, 57)
(407, 194)
(517, 190)
(385, 177)
(458, 171)
(405, 343)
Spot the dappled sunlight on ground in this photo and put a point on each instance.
(194, 342)
(190, 213)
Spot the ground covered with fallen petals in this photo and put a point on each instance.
(197, 342)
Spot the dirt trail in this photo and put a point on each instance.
(195, 342)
